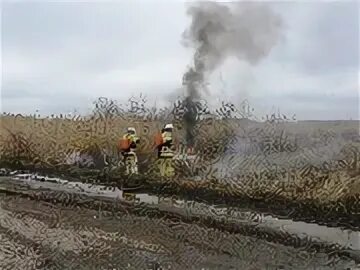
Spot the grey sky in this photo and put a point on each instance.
(57, 56)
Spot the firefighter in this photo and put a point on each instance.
(128, 148)
(166, 151)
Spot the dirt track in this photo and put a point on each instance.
(39, 235)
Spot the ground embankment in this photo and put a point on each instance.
(278, 199)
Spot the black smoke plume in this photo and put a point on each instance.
(246, 30)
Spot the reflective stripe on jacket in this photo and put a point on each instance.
(166, 150)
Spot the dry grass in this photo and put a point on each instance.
(320, 188)
(52, 140)
(49, 142)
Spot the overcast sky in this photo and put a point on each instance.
(57, 56)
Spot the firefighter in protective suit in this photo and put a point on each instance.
(166, 151)
(128, 151)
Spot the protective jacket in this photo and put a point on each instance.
(166, 149)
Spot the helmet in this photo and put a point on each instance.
(131, 130)
(169, 126)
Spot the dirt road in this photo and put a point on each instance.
(39, 235)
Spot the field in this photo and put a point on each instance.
(236, 158)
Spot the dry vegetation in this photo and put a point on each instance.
(50, 142)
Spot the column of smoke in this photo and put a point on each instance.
(246, 30)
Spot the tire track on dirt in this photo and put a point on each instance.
(136, 240)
